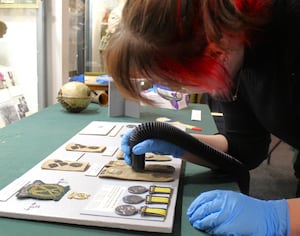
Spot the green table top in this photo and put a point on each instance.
(26, 142)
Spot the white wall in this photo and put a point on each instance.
(57, 47)
(18, 49)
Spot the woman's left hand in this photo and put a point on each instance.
(221, 212)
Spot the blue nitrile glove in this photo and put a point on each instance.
(221, 212)
(149, 145)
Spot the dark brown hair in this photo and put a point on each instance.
(177, 43)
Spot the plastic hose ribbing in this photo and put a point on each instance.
(169, 133)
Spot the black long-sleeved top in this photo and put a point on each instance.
(269, 93)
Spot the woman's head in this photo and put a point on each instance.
(180, 43)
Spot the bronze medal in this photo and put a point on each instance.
(126, 210)
(137, 189)
(133, 199)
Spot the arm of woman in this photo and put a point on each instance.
(217, 141)
(294, 209)
(248, 140)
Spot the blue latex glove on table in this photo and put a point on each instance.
(157, 146)
(221, 212)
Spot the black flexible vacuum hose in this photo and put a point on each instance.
(171, 134)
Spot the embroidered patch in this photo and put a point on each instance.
(43, 191)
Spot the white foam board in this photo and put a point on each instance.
(85, 212)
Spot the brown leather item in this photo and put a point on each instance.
(155, 157)
(148, 167)
(56, 164)
(84, 148)
(120, 170)
(148, 157)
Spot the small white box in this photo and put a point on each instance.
(196, 115)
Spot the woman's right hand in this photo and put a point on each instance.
(157, 146)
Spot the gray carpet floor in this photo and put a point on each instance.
(275, 180)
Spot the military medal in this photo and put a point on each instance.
(153, 189)
(126, 210)
(159, 189)
(150, 199)
(133, 199)
(137, 189)
(152, 211)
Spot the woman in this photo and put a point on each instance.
(245, 53)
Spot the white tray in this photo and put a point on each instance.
(85, 212)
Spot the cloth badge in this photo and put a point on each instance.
(43, 191)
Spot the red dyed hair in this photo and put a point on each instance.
(179, 43)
